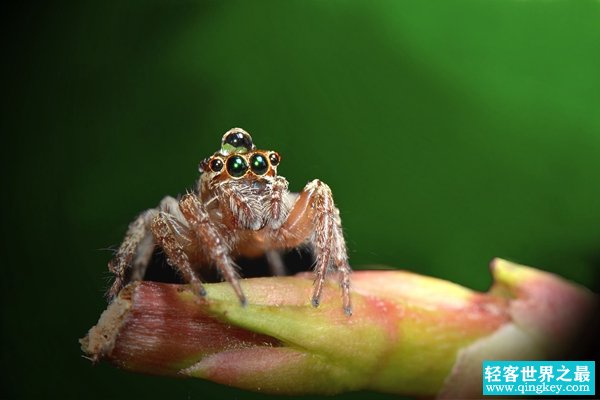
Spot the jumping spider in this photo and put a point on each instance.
(240, 207)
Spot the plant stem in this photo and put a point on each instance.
(409, 334)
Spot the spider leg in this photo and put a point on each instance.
(241, 212)
(278, 209)
(314, 218)
(277, 206)
(210, 240)
(167, 238)
(135, 250)
(340, 260)
(275, 262)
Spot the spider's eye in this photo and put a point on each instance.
(259, 164)
(237, 166)
(274, 158)
(236, 142)
(216, 164)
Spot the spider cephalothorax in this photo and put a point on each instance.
(241, 207)
(238, 171)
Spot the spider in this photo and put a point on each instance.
(240, 207)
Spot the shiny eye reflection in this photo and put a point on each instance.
(236, 142)
(237, 166)
(216, 164)
(274, 158)
(259, 164)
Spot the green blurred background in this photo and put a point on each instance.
(449, 132)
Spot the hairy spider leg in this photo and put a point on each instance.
(315, 218)
(340, 260)
(278, 209)
(210, 240)
(136, 239)
(234, 205)
(137, 247)
(165, 236)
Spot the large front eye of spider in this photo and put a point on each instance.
(259, 164)
(237, 166)
(236, 142)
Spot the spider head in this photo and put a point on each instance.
(238, 159)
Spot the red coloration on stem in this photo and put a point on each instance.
(409, 334)
(159, 340)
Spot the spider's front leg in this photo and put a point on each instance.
(278, 209)
(209, 241)
(136, 249)
(277, 212)
(134, 246)
(315, 218)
